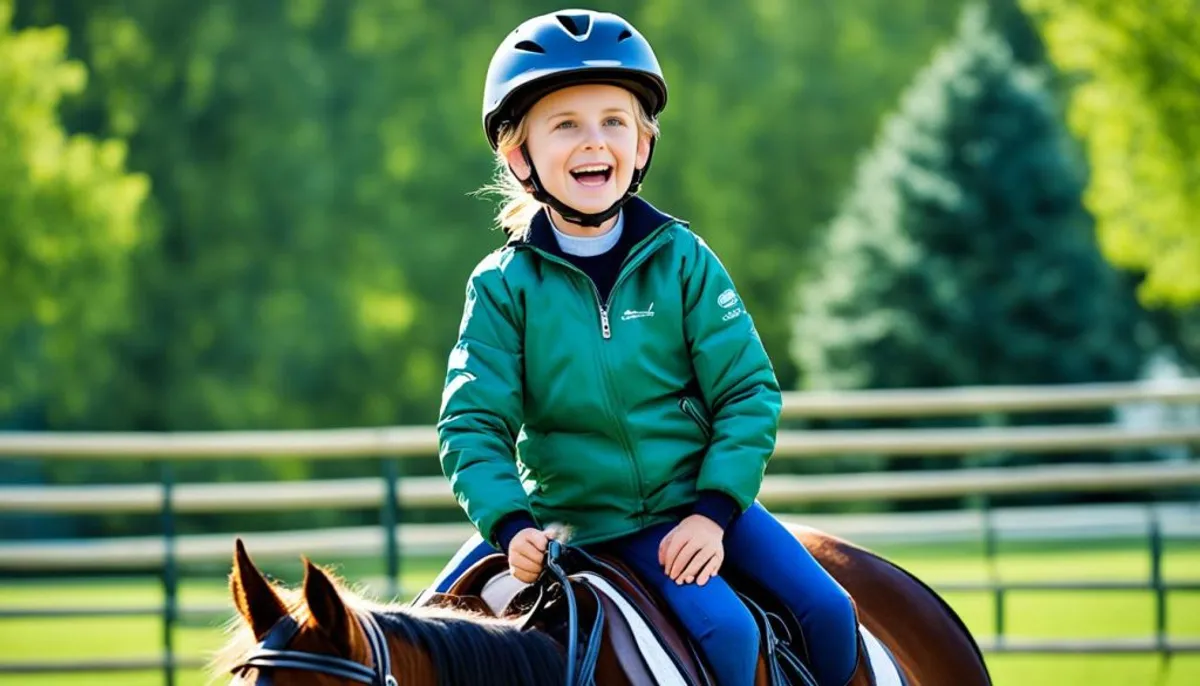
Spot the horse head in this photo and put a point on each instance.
(323, 634)
(320, 634)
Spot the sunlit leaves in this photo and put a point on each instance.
(69, 220)
(1137, 106)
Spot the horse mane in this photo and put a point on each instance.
(463, 646)
(471, 649)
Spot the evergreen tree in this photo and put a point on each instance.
(964, 256)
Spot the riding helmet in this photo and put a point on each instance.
(564, 48)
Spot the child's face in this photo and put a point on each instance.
(585, 144)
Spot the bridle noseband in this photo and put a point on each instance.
(271, 653)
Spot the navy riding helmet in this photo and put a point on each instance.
(563, 48)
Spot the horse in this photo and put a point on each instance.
(325, 633)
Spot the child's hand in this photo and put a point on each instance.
(693, 551)
(527, 553)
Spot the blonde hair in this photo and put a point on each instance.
(518, 206)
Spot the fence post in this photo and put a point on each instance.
(170, 579)
(1156, 579)
(391, 522)
(989, 552)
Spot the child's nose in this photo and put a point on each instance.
(595, 138)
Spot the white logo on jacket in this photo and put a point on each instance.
(638, 314)
(727, 298)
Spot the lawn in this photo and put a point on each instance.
(1032, 614)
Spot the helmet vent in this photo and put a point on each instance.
(576, 24)
(530, 46)
(625, 35)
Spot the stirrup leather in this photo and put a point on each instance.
(784, 667)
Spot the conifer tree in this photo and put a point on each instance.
(963, 255)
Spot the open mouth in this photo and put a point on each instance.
(592, 174)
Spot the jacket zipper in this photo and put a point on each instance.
(689, 408)
(602, 305)
(606, 332)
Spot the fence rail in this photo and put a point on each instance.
(777, 489)
(943, 402)
(163, 554)
(1026, 523)
(995, 646)
(421, 441)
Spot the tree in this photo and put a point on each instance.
(290, 160)
(1136, 104)
(69, 223)
(964, 255)
(770, 104)
(312, 161)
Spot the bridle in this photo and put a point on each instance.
(272, 653)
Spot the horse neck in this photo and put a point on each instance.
(410, 665)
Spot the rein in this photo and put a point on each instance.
(272, 653)
(591, 655)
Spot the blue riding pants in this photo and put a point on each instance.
(758, 547)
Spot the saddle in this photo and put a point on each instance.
(630, 625)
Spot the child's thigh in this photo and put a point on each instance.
(703, 610)
(760, 547)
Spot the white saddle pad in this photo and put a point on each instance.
(502, 588)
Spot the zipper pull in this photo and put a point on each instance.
(604, 327)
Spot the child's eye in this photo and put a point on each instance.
(565, 124)
(614, 121)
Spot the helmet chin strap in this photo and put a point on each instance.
(534, 185)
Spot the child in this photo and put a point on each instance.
(606, 346)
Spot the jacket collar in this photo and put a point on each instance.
(641, 219)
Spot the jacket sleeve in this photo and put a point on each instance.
(482, 405)
(736, 379)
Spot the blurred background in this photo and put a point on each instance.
(966, 230)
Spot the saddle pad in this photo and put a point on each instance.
(499, 591)
(883, 667)
(661, 666)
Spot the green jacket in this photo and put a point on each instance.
(606, 417)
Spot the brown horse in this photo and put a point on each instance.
(325, 634)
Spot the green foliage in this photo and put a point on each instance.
(964, 255)
(771, 103)
(302, 192)
(1137, 107)
(301, 255)
(69, 222)
(312, 164)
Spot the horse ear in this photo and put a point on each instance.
(327, 610)
(253, 595)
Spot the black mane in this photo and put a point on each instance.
(467, 652)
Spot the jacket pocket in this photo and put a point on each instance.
(689, 407)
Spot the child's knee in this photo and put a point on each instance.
(731, 627)
(834, 611)
(841, 605)
(833, 615)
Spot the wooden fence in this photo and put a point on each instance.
(392, 494)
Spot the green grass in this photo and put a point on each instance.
(1065, 614)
